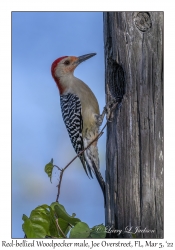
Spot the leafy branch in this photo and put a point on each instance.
(54, 222)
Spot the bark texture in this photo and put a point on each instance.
(134, 70)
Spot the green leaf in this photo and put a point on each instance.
(64, 225)
(24, 217)
(61, 213)
(98, 231)
(53, 204)
(53, 227)
(48, 169)
(80, 231)
(40, 223)
(33, 229)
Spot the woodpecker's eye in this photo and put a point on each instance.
(67, 62)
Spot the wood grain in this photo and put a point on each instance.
(134, 151)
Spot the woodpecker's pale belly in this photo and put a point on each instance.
(89, 122)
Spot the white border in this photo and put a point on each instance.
(5, 92)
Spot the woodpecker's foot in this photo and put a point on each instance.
(108, 111)
(111, 108)
(101, 117)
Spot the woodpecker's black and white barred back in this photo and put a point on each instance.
(71, 112)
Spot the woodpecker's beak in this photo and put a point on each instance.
(84, 57)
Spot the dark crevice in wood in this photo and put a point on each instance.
(117, 82)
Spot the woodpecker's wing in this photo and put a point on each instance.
(71, 112)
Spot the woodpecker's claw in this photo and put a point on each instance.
(108, 111)
(111, 104)
(101, 117)
(111, 109)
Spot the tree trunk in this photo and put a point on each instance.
(134, 173)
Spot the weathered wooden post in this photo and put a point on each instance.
(134, 176)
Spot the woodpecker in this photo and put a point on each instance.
(80, 112)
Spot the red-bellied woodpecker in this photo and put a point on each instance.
(80, 111)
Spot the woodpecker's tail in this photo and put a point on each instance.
(92, 163)
(86, 166)
(99, 177)
(100, 180)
